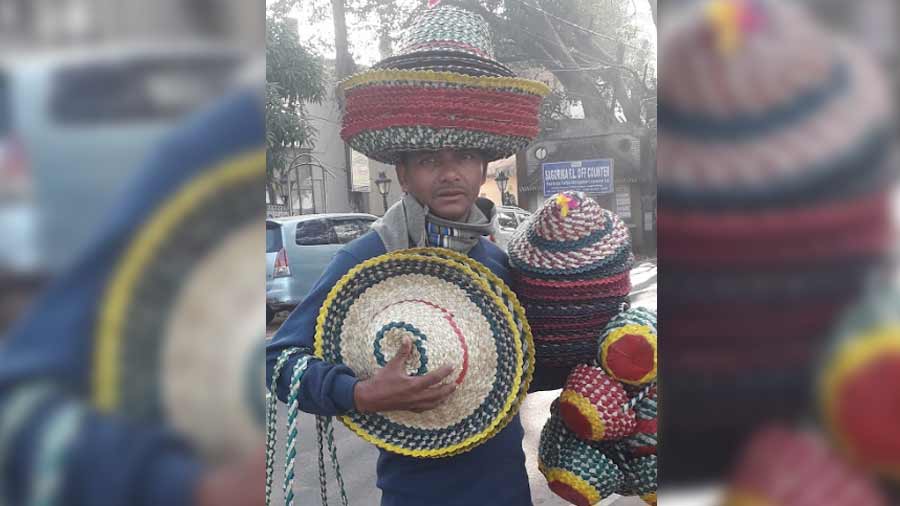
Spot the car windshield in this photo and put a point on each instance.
(507, 220)
(273, 237)
(138, 90)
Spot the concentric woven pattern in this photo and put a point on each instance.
(593, 405)
(575, 470)
(748, 128)
(445, 61)
(448, 28)
(570, 238)
(783, 466)
(859, 384)
(455, 318)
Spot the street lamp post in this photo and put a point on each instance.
(384, 187)
(502, 180)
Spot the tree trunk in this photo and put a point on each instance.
(344, 66)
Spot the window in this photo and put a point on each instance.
(143, 89)
(348, 230)
(315, 232)
(273, 237)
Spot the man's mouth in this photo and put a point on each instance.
(450, 193)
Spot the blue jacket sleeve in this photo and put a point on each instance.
(325, 389)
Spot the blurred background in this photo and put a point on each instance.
(87, 87)
(778, 252)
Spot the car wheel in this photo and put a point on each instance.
(270, 314)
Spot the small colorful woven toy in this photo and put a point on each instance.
(575, 470)
(595, 407)
(628, 347)
(784, 466)
(859, 385)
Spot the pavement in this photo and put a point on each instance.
(357, 458)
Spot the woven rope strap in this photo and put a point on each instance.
(324, 433)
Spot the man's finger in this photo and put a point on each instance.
(438, 394)
(434, 377)
(398, 361)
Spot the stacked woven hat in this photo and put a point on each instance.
(859, 385)
(455, 312)
(773, 142)
(602, 434)
(444, 89)
(571, 267)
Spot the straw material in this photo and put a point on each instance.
(456, 315)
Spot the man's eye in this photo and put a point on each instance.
(427, 161)
(468, 156)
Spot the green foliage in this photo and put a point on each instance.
(294, 77)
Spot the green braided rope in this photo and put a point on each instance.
(334, 460)
(16, 412)
(291, 443)
(49, 467)
(323, 480)
(324, 431)
(271, 418)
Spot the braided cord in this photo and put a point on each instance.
(291, 443)
(272, 414)
(638, 397)
(334, 460)
(323, 480)
(49, 467)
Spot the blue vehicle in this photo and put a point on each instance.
(297, 250)
(75, 125)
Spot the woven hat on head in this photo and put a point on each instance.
(455, 312)
(765, 109)
(571, 235)
(444, 89)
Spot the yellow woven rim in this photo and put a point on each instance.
(587, 410)
(512, 401)
(573, 480)
(430, 76)
(649, 498)
(742, 498)
(118, 294)
(851, 357)
(617, 335)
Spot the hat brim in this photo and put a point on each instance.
(501, 352)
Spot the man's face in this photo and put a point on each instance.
(447, 181)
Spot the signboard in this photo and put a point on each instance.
(589, 176)
(623, 201)
(276, 211)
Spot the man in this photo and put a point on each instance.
(439, 110)
(441, 187)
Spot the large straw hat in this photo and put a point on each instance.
(456, 312)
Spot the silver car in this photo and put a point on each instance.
(507, 221)
(297, 250)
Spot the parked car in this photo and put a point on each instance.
(74, 127)
(297, 250)
(508, 220)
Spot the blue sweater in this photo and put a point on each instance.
(112, 462)
(490, 474)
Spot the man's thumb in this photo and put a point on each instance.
(402, 353)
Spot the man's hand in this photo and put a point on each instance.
(391, 389)
(237, 484)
